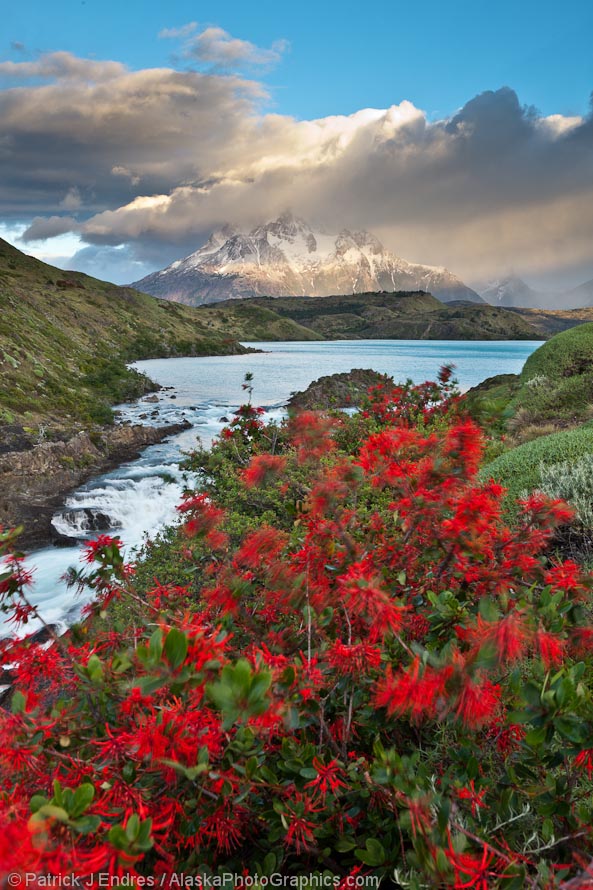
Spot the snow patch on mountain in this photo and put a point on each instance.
(288, 257)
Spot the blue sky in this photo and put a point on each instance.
(349, 56)
(461, 133)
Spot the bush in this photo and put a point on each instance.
(573, 483)
(556, 382)
(519, 469)
(391, 683)
(568, 354)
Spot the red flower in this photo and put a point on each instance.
(584, 760)
(355, 659)
(551, 648)
(476, 798)
(477, 703)
(92, 550)
(263, 469)
(328, 777)
(473, 871)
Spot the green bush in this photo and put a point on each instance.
(519, 469)
(556, 382)
(573, 483)
(568, 354)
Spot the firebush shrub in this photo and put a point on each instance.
(368, 674)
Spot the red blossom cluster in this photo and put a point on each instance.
(396, 683)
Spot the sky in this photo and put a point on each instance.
(459, 133)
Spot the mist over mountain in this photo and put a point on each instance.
(580, 296)
(288, 257)
(511, 291)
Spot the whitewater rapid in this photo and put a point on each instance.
(134, 502)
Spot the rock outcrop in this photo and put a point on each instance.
(35, 481)
(345, 390)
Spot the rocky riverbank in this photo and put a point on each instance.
(36, 479)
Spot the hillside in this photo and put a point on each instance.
(413, 316)
(65, 338)
(553, 392)
(548, 322)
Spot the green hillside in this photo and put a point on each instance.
(553, 391)
(413, 316)
(65, 338)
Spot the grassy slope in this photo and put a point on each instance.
(551, 403)
(417, 316)
(250, 320)
(519, 468)
(63, 348)
(555, 385)
(548, 322)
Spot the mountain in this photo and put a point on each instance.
(65, 339)
(579, 297)
(513, 291)
(287, 257)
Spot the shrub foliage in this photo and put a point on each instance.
(368, 673)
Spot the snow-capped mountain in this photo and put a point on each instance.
(287, 257)
(512, 291)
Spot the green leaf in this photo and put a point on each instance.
(373, 854)
(132, 827)
(117, 838)
(51, 811)
(155, 645)
(37, 801)
(17, 705)
(86, 824)
(83, 797)
(344, 845)
(175, 647)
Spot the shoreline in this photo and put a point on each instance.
(35, 481)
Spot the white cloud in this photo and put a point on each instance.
(216, 47)
(176, 33)
(163, 156)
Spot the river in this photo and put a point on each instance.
(139, 498)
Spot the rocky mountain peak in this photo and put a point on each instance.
(289, 257)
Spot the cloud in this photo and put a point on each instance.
(176, 33)
(216, 47)
(104, 130)
(42, 228)
(72, 199)
(61, 66)
(162, 157)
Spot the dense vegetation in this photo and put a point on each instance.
(544, 424)
(65, 339)
(354, 669)
(415, 316)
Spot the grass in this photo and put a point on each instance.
(519, 468)
(65, 339)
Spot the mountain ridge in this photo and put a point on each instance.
(512, 292)
(288, 258)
